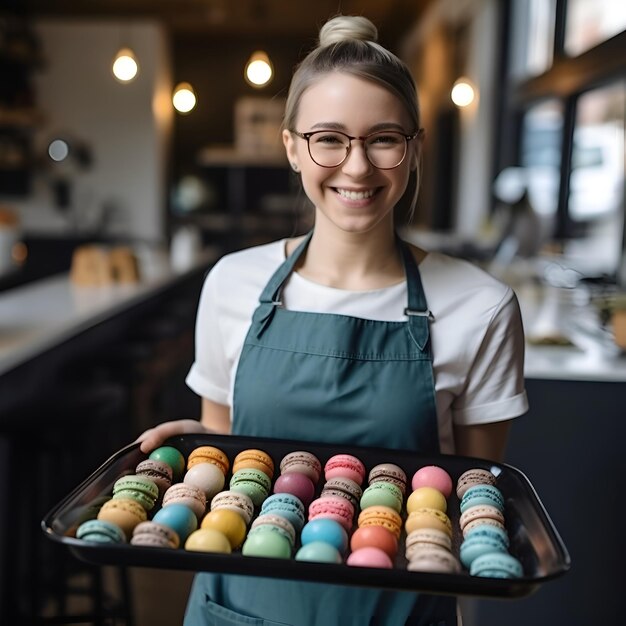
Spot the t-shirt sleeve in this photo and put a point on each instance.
(209, 374)
(494, 388)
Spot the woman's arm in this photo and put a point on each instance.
(486, 441)
(215, 419)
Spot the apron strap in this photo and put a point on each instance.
(417, 310)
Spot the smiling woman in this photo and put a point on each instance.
(349, 335)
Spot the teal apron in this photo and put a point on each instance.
(342, 380)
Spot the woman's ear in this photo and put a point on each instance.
(290, 149)
(416, 151)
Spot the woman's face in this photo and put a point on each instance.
(354, 196)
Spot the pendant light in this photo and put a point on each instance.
(463, 93)
(259, 71)
(125, 66)
(184, 98)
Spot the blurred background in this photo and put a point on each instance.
(140, 141)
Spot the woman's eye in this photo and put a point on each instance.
(385, 139)
(329, 139)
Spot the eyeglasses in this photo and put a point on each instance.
(384, 149)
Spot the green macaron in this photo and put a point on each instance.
(252, 482)
(382, 494)
(137, 488)
(171, 456)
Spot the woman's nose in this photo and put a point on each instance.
(357, 163)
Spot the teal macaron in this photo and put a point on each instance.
(100, 531)
(137, 488)
(288, 506)
(477, 545)
(319, 552)
(253, 483)
(171, 456)
(496, 565)
(265, 542)
(491, 532)
(481, 495)
(382, 494)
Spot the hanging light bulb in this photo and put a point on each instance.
(184, 98)
(125, 65)
(259, 70)
(463, 92)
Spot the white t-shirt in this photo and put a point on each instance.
(477, 337)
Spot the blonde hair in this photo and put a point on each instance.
(348, 44)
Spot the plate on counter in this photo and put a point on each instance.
(534, 539)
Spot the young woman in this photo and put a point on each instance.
(349, 335)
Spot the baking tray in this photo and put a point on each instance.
(534, 539)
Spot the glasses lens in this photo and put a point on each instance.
(386, 149)
(328, 148)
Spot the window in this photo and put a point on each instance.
(590, 22)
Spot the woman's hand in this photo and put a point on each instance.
(154, 437)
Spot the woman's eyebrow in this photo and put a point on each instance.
(373, 129)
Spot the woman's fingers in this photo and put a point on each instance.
(154, 437)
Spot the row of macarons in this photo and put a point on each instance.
(484, 550)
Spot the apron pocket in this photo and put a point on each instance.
(217, 615)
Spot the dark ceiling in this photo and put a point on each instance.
(238, 17)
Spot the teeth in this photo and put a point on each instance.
(355, 195)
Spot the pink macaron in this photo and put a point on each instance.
(370, 557)
(345, 466)
(433, 476)
(335, 508)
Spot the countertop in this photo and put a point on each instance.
(40, 315)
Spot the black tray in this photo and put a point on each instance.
(534, 540)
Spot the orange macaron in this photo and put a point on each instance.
(254, 459)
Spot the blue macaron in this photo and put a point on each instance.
(476, 546)
(481, 495)
(100, 531)
(491, 532)
(286, 505)
(496, 565)
(326, 531)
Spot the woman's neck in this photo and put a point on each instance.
(352, 261)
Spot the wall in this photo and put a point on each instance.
(126, 126)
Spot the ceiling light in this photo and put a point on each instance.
(184, 98)
(259, 70)
(125, 65)
(463, 92)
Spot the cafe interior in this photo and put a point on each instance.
(140, 142)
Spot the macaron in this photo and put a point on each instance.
(275, 523)
(230, 523)
(207, 540)
(173, 458)
(469, 526)
(209, 454)
(432, 476)
(381, 516)
(426, 497)
(319, 552)
(151, 534)
(266, 543)
(477, 545)
(481, 512)
(488, 530)
(369, 557)
(205, 476)
(471, 477)
(482, 494)
(302, 462)
(423, 538)
(252, 482)
(327, 531)
(299, 485)
(158, 472)
(190, 496)
(123, 512)
(345, 466)
(235, 501)
(497, 565)
(100, 531)
(344, 488)
(288, 506)
(389, 473)
(254, 459)
(179, 518)
(382, 494)
(334, 508)
(428, 518)
(435, 560)
(139, 488)
(374, 537)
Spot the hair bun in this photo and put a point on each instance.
(346, 27)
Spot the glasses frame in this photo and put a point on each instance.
(363, 138)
